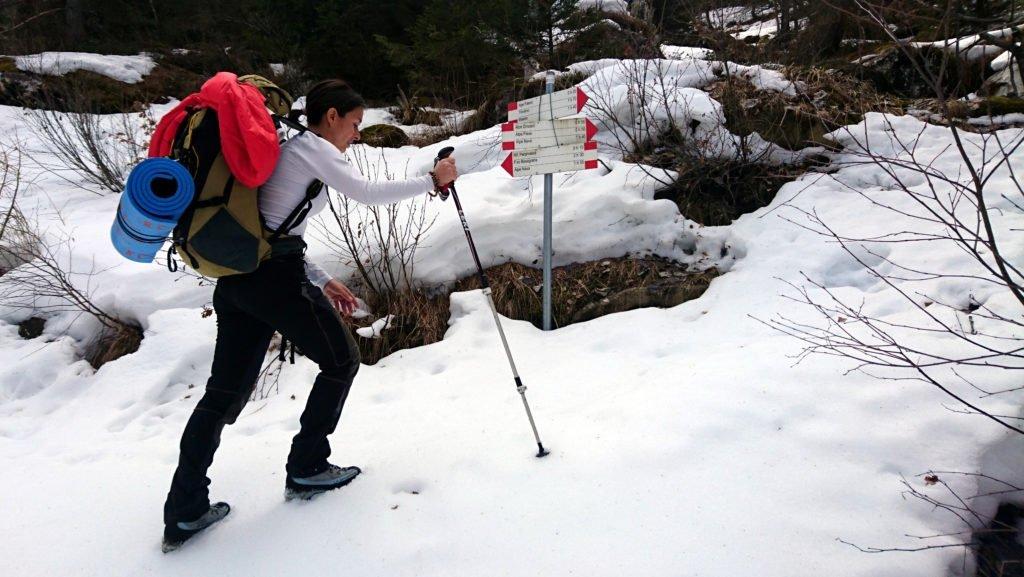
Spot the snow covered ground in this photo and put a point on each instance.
(128, 69)
(684, 441)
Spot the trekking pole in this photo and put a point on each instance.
(520, 387)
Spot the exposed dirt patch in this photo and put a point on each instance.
(580, 292)
(31, 328)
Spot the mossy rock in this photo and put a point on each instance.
(998, 106)
(384, 136)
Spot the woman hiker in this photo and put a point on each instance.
(295, 297)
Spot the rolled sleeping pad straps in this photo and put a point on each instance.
(157, 192)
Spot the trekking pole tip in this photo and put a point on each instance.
(543, 452)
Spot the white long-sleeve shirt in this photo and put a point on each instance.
(307, 157)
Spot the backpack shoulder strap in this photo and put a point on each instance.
(279, 120)
(312, 191)
(300, 211)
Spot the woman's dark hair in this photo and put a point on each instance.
(327, 94)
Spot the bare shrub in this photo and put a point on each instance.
(12, 221)
(712, 166)
(48, 284)
(993, 539)
(269, 380)
(379, 241)
(950, 209)
(99, 150)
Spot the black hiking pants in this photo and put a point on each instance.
(250, 307)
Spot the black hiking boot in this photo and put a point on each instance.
(308, 487)
(175, 535)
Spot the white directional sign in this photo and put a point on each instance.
(517, 136)
(547, 106)
(530, 161)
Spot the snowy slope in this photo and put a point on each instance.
(684, 441)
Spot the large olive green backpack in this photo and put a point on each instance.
(222, 232)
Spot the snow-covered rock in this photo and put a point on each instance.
(127, 69)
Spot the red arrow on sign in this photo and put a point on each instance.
(547, 106)
(581, 99)
(551, 159)
(515, 135)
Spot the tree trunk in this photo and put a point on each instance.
(981, 9)
(73, 20)
(784, 16)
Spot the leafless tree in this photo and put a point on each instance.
(958, 196)
(947, 208)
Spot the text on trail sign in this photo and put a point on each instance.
(547, 106)
(517, 136)
(549, 160)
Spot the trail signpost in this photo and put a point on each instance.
(540, 140)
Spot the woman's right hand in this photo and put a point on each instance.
(341, 297)
(446, 172)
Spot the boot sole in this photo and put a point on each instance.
(173, 543)
(307, 494)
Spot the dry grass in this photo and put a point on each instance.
(828, 100)
(715, 192)
(438, 134)
(418, 320)
(113, 344)
(834, 95)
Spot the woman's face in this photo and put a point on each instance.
(341, 131)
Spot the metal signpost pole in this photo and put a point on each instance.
(548, 183)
